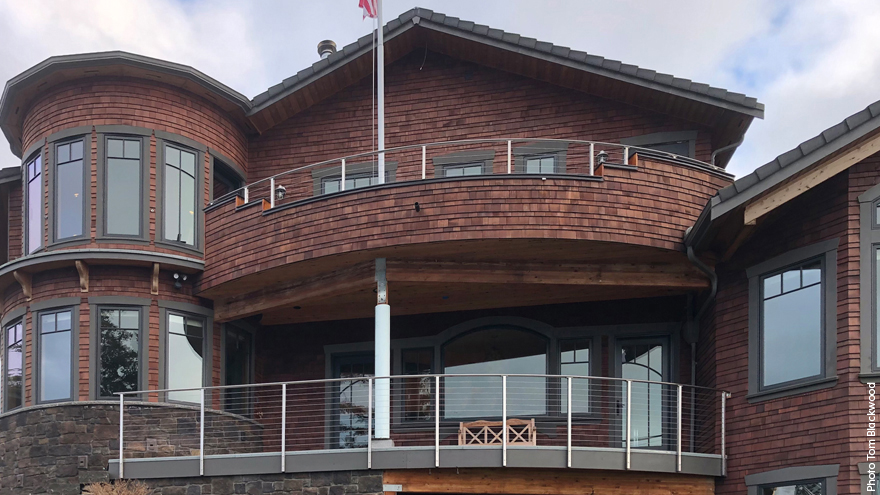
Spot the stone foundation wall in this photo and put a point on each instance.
(338, 483)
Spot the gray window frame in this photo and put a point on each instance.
(556, 149)
(648, 140)
(25, 194)
(450, 160)
(38, 312)
(131, 134)
(826, 252)
(96, 304)
(85, 237)
(188, 145)
(168, 308)
(869, 241)
(351, 170)
(827, 473)
(20, 320)
(233, 168)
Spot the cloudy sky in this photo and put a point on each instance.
(811, 62)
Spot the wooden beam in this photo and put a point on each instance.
(83, 269)
(810, 179)
(328, 284)
(744, 233)
(154, 282)
(547, 482)
(634, 275)
(25, 281)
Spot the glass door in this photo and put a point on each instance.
(351, 396)
(238, 367)
(644, 359)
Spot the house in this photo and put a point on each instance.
(554, 287)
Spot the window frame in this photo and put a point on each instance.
(658, 138)
(162, 140)
(556, 149)
(96, 305)
(826, 252)
(595, 371)
(20, 320)
(38, 349)
(461, 158)
(869, 283)
(244, 328)
(26, 247)
(52, 197)
(118, 132)
(166, 310)
(827, 474)
(228, 168)
(319, 175)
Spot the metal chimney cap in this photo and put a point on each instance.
(326, 48)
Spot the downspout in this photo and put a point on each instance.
(723, 149)
(694, 331)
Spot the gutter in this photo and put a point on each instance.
(726, 148)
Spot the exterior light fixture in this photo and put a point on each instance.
(179, 279)
(418, 206)
(280, 191)
(602, 157)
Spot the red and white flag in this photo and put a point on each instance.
(370, 8)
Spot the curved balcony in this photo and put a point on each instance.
(436, 421)
(520, 203)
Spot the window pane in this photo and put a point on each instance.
(809, 488)
(63, 152)
(353, 402)
(792, 332)
(62, 320)
(188, 163)
(55, 360)
(187, 209)
(13, 367)
(184, 357)
(172, 204)
(69, 199)
(133, 150)
(495, 351)
(575, 359)
(35, 208)
(76, 150)
(331, 186)
(172, 156)
(645, 362)
(47, 323)
(123, 196)
(812, 274)
(418, 403)
(120, 362)
(128, 319)
(114, 148)
(454, 172)
(791, 280)
(772, 286)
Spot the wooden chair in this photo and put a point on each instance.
(519, 432)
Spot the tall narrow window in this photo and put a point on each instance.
(120, 351)
(180, 195)
(238, 361)
(69, 203)
(35, 204)
(792, 324)
(575, 361)
(418, 396)
(14, 361)
(55, 356)
(186, 336)
(122, 187)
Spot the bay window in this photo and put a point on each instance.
(55, 375)
(119, 340)
(13, 366)
(122, 187)
(34, 200)
(180, 195)
(69, 197)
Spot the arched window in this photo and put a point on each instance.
(495, 350)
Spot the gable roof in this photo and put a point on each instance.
(834, 140)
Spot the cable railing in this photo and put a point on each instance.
(433, 412)
(448, 159)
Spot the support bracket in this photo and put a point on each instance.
(83, 269)
(25, 281)
(154, 283)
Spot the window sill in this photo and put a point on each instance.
(184, 248)
(794, 389)
(121, 240)
(76, 241)
(872, 377)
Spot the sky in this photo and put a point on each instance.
(811, 62)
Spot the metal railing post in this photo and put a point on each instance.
(121, 423)
(245, 195)
(369, 423)
(272, 192)
(504, 420)
(626, 155)
(342, 177)
(437, 422)
(424, 156)
(569, 379)
(283, 427)
(723, 433)
(509, 156)
(592, 158)
(678, 432)
(628, 420)
(202, 434)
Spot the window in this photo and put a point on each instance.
(352, 399)
(328, 179)
(418, 393)
(495, 351)
(180, 195)
(69, 197)
(56, 356)
(869, 284)
(793, 322)
(463, 170)
(119, 333)
(14, 362)
(34, 204)
(797, 480)
(186, 342)
(574, 359)
(237, 369)
(225, 179)
(540, 165)
(801, 488)
(645, 360)
(333, 184)
(122, 187)
(681, 143)
(463, 163)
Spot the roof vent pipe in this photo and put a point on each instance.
(326, 48)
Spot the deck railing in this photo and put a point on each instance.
(428, 411)
(460, 158)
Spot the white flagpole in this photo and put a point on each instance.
(380, 85)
